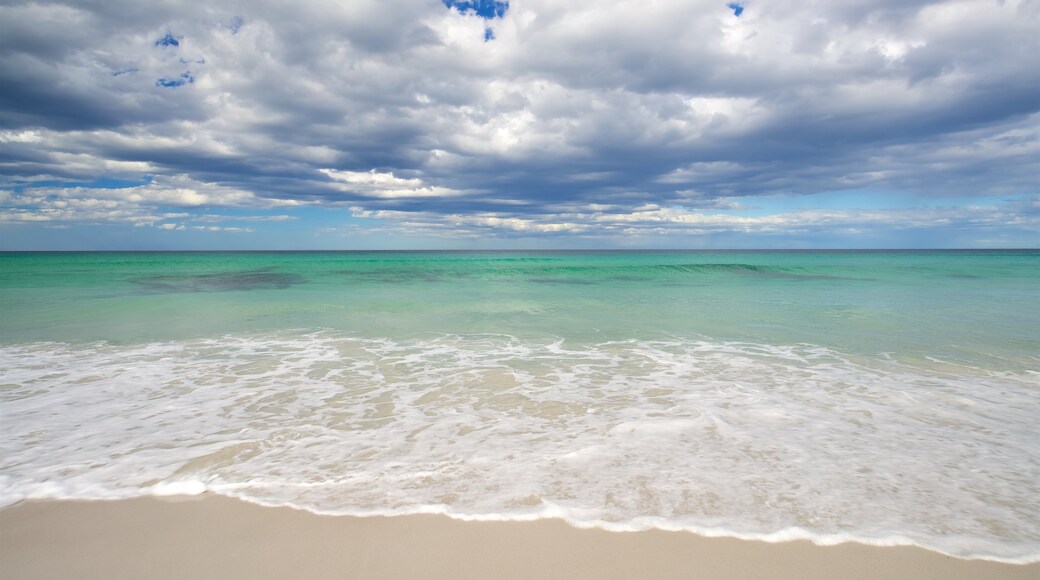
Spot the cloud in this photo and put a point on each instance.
(652, 221)
(505, 117)
(143, 204)
(174, 226)
(467, 224)
(384, 185)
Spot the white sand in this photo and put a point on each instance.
(215, 537)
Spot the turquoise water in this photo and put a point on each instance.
(886, 397)
(963, 305)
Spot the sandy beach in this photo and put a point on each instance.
(211, 536)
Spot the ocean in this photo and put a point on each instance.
(888, 397)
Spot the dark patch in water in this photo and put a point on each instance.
(390, 275)
(745, 269)
(964, 276)
(710, 268)
(582, 274)
(560, 281)
(262, 279)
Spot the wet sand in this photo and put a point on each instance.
(210, 536)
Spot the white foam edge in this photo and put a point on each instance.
(50, 491)
(168, 488)
(549, 511)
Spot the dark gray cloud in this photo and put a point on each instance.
(408, 107)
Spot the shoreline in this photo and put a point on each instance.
(213, 536)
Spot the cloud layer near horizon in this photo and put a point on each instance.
(590, 119)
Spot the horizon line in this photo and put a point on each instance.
(517, 250)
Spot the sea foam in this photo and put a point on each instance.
(736, 439)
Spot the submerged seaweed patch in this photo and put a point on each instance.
(580, 274)
(570, 281)
(748, 269)
(390, 275)
(262, 279)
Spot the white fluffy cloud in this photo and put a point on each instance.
(652, 220)
(139, 205)
(384, 185)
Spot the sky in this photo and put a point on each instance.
(529, 124)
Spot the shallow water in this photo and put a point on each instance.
(886, 397)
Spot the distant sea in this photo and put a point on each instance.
(888, 397)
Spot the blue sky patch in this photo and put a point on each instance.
(124, 71)
(489, 34)
(486, 9)
(736, 8)
(167, 40)
(185, 78)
